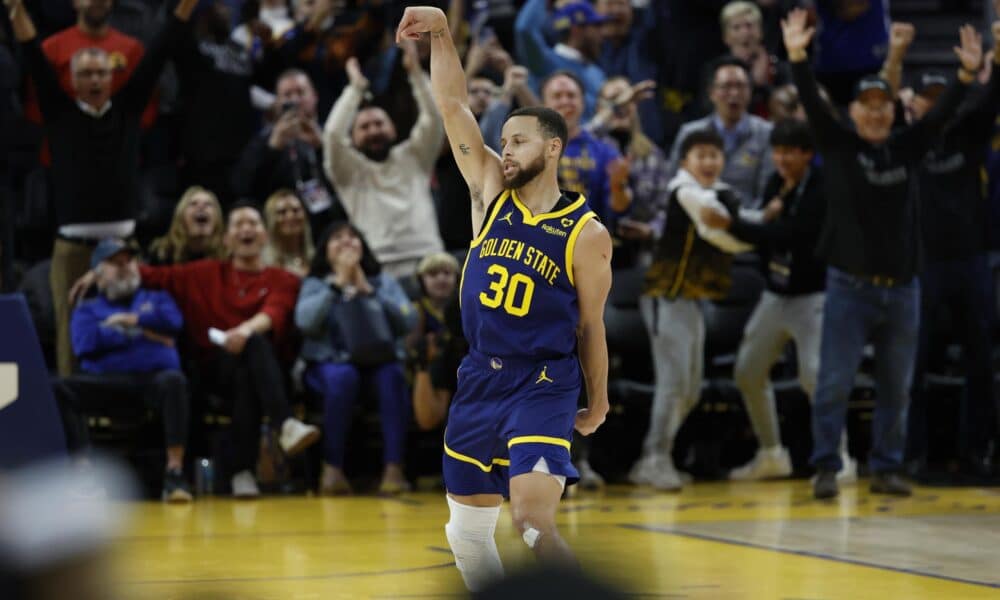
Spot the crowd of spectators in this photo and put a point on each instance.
(254, 201)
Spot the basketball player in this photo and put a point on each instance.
(532, 293)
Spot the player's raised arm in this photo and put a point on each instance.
(479, 165)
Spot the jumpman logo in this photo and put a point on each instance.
(506, 217)
(544, 376)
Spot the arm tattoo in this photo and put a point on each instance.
(464, 148)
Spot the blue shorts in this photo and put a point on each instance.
(505, 416)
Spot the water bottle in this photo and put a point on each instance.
(204, 477)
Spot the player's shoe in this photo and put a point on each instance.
(768, 463)
(589, 478)
(296, 436)
(245, 485)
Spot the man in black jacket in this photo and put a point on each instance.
(792, 306)
(871, 242)
(957, 274)
(94, 140)
(289, 154)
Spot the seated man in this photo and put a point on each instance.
(124, 339)
(238, 324)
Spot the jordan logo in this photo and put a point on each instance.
(506, 217)
(544, 376)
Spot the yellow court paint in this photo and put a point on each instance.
(743, 541)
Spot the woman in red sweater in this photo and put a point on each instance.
(251, 305)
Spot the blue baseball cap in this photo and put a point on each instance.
(106, 249)
(576, 13)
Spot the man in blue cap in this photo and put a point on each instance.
(124, 339)
(579, 28)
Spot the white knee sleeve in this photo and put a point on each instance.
(470, 533)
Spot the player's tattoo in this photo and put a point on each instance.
(464, 148)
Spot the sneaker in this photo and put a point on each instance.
(393, 487)
(848, 472)
(825, 485)
(664, 475)
(334, 483)
(590, 479)
(245, 485)
(768, 463)
(296, 436)
(175, 487)
(642, 471)
(890, 483)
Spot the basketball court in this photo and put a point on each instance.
(715, 540)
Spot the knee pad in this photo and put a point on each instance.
(470, 532)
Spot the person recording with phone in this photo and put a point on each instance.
(618, 124)
(289, 154)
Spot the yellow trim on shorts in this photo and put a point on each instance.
(571, 244)
(503, 462)
(538, 439)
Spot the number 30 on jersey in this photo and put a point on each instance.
(507, 291)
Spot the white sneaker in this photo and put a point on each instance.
(664, 475)
(768, 463)
(245, 485)
(642, 471)
(589, 478)
(296, 436)
(848, 473)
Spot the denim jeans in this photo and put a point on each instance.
(855, 313)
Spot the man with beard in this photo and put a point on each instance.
(533, 292)
(579, 48)
(289, 154)
(94, 139)
(124, 339)
(385, 186)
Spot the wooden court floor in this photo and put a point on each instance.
(715, 540)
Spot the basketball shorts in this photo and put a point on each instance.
(506, 415)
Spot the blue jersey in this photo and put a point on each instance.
(518, 295)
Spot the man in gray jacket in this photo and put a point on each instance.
(384, 186)
(748, 160)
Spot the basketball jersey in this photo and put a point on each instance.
(517, 292)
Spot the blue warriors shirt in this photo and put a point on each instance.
(518, 295)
